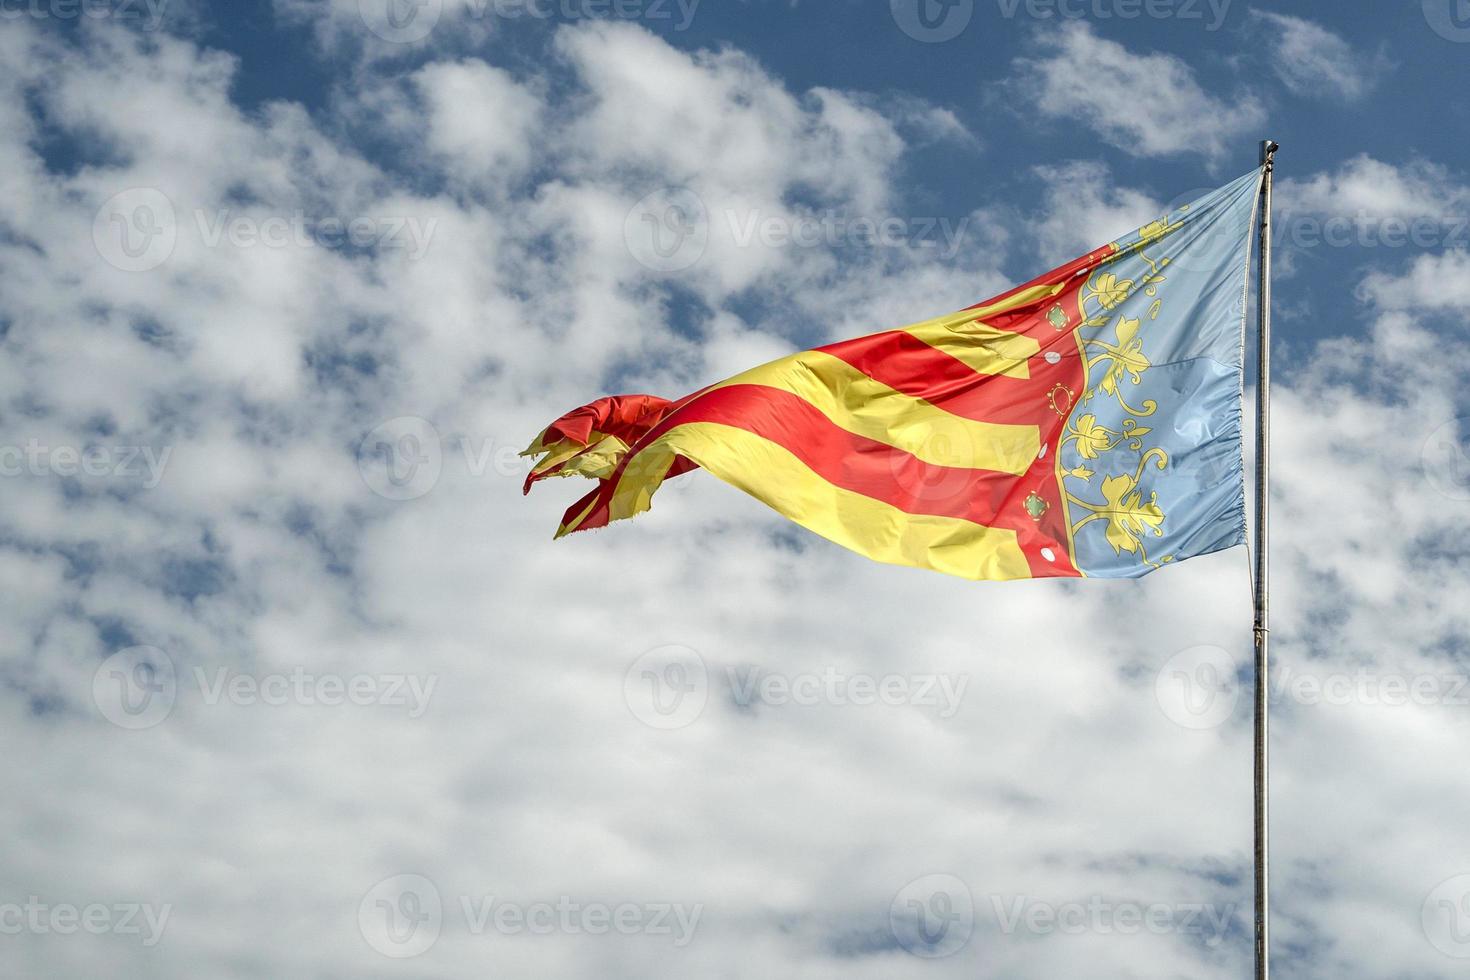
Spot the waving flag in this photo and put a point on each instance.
(1087, 423)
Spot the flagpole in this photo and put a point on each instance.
(1260, 628)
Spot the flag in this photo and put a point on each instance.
(1087, 423)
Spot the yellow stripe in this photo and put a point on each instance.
(867, 407)
(872, 528)
(1024, 298)
(982, 347)
(576, 522)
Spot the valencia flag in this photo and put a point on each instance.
(1086, 423)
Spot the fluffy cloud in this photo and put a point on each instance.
(1379, 189)
(1086, 207)
(1432, 282)
(1311, 60)
(270, 546)
(1145, 104)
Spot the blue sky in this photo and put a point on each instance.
(1404, 67)
(294, 682)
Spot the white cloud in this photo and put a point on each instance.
(263, 551)
(1372, 204)
(1379, 189)
(1312, 60)
(1086, 208)
(1145, 104)
(1432, 282)
(479, 118)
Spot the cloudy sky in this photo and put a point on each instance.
(294, 683)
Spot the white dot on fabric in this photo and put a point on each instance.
(1048, 554)
(1052, 357)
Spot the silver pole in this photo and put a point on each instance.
(1261, 629)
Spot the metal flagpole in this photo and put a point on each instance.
(1261, 630)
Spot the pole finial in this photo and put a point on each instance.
(1268, 153)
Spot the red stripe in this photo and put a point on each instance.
(853, 462)
(861, 465)
(905, 363)
(909, 365)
